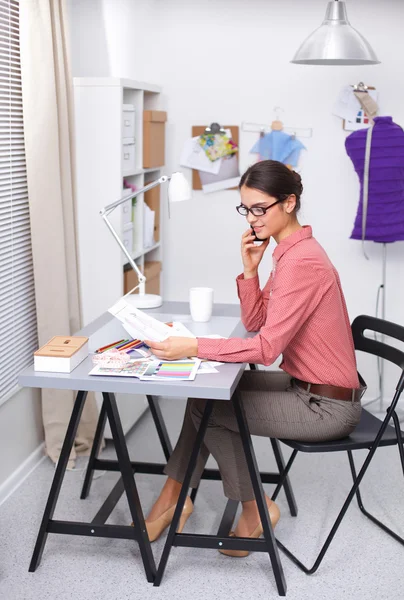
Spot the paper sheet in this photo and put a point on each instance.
(142, 326)
(347, 105)
(194, 157)
(138, 324)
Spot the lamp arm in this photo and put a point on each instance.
(110, 207)
(132, 263)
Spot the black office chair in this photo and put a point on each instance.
(370, 433)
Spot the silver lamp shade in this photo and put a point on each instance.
(335, 42)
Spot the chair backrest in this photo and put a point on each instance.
(376, 347)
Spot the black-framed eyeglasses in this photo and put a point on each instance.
(258, 211)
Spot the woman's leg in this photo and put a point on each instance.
(178, 461)
(273, 408)
(177, 465)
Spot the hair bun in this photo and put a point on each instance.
(298, 180)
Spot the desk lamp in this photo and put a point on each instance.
(178, 190)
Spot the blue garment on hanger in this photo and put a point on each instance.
(278, 145)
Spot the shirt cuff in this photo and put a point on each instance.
(247, 285)
(208, 348)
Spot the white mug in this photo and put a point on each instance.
(201, 303)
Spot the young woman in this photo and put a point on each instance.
(301, 314)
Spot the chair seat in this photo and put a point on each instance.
(363, 437)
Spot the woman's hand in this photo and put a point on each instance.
(174, 348)
(251, 254)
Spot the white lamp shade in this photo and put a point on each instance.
(335, 42)
(179, 188)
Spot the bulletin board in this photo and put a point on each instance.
(199, 130)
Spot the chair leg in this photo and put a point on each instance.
(362, 508)
(400, 440)
(286, 483)
(283, 475)
(354, 491)
(259, 494)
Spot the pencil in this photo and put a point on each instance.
(129, 345)
(108, 346)
(123, 344)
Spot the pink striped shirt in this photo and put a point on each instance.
(300, 313)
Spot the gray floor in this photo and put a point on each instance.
(362, 563)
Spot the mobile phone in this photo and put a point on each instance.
(257, 239)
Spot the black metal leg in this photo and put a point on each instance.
(286, 483)
(228, 518)
(354, 491)
(163, 434)
(130, 486)
(259, 495)
(58, 479)
(400, 440)
(95, 450)
(284, 474)
(183, 493)
(160, 426)
(281, 465)
(364, 511)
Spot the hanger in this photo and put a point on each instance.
(361, 87)
(277, 125)
(215, 128)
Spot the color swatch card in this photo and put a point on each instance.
(152, 369)
(166, 370)
(134, 368)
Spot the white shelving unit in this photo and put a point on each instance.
(103, 159)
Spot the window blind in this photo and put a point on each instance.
(18, 327)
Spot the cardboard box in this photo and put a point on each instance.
(152, 270)
(154, 138)
(152, 199)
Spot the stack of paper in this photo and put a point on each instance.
(148, 226)
(142, 326)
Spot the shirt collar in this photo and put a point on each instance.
(291, 240)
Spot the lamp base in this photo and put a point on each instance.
(144, 301)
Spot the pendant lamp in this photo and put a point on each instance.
(335, 42)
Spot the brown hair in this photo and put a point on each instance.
(275, 179)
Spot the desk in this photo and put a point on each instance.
(218, 386)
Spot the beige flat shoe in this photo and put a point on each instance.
(274, 514)
(156, 528)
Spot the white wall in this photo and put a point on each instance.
(21, 433)
(228, 61)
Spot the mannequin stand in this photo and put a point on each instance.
(380, 362)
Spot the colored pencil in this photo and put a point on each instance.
(128, 345)
(125, 343)
(112, 345)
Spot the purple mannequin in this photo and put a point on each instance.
(385, 214)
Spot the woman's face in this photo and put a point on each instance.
(275, 220)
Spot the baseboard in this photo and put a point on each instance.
(21, 473)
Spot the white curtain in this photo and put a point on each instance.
(48, 130)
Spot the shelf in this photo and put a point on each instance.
(116, 82)
(140, 171)
(145, 251)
